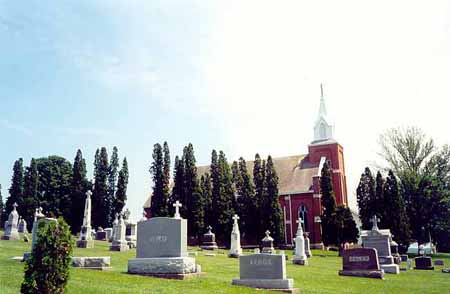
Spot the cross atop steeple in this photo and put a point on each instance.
(323, 129)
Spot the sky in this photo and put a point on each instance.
(238, 76)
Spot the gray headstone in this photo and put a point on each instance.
(361, 262)
(11, 231)
(262, 266)
(162, 237)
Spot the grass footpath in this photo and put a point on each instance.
(321, 276)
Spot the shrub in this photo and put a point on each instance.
(47, 269)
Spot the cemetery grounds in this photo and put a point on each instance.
(320, 276)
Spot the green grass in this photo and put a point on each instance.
(319, 277)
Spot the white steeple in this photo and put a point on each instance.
(323, 129)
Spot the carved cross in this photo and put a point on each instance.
(209, 228)
(235, 218)
(375, 220)
(267, 233)
(88, 194)
(177, 206)
(15, 205)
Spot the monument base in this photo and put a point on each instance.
(271, 284)
(11, 237)
(268, 250)
(119, 246)
(166, 267)
(300, 261)
(234, 255)
(209, 247)
(390, 268)
(363, 274)
(85, 244)
(95, 263)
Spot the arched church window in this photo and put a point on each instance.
(303, 213)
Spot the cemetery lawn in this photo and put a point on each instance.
(319, 277)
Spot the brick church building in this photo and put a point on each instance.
(299, 177)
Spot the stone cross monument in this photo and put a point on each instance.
(235, 248)
(300, 256)
(85, 240)
(177, 206)
(11, 232)
(120, 243)
(375, 220)
(267, 244)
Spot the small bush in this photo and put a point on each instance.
(47, 270)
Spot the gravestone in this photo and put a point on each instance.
(300, 256)
(130, 234)
(423, 263)
(264, 271)
(119, 243)
(11, 231)
(85, 239)
(267, 244)
(162, 249)
(108, 233)
(404, 257)
(209, 240)
(361, 262)
(38, 218)
(95, 263)
(307, 245)
(394, 252)
(439, 262)
(235, 247)
(381, 241)
(100, 235)
(114, 228)
(22, 226)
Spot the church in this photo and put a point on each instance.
(299, 180)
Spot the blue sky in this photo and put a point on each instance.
(241, 76)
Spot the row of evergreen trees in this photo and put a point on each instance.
(215, 196)
(60, 187)
(338, 225)
(382, 197)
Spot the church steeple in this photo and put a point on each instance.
(323, 129)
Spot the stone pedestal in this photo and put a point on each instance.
(264, 271)
(209, 240)
(85, 240)
(163, 265)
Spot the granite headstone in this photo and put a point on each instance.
(361, 262)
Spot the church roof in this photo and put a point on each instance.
(295, 174)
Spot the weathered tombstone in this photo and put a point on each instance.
(11, 232)
(394, 252)
(307, 245)
(95, 263)
(267, 244)
(100, 235)
(38, 218)
(130, 234)
(235, 248)
(265, 271)
(85, 239)
(22, 226)
(423, 263)
(108, 232)
(404, 257)
(114, 228)
(380, 240)
(209, 240)
(300, 256)
(361, 262)
(439, 262)
(162, 249)
(119, 243)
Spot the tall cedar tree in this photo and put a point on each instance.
(112, 184)
(178, 185)
(79, 187)
(329, 219)
(205, 186)
(166, 175)
(237, 185)
(378, 203)
(30, 197)
(193, 204)
(2, 208)
(272, 210)
(396, 218)
(16, 189)
(159, 202)
(100, 209)
(247, 203)
(347, 230)
(258, 181)
(122, 184)
(215, 192)
(365, 194)
(225, 201)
